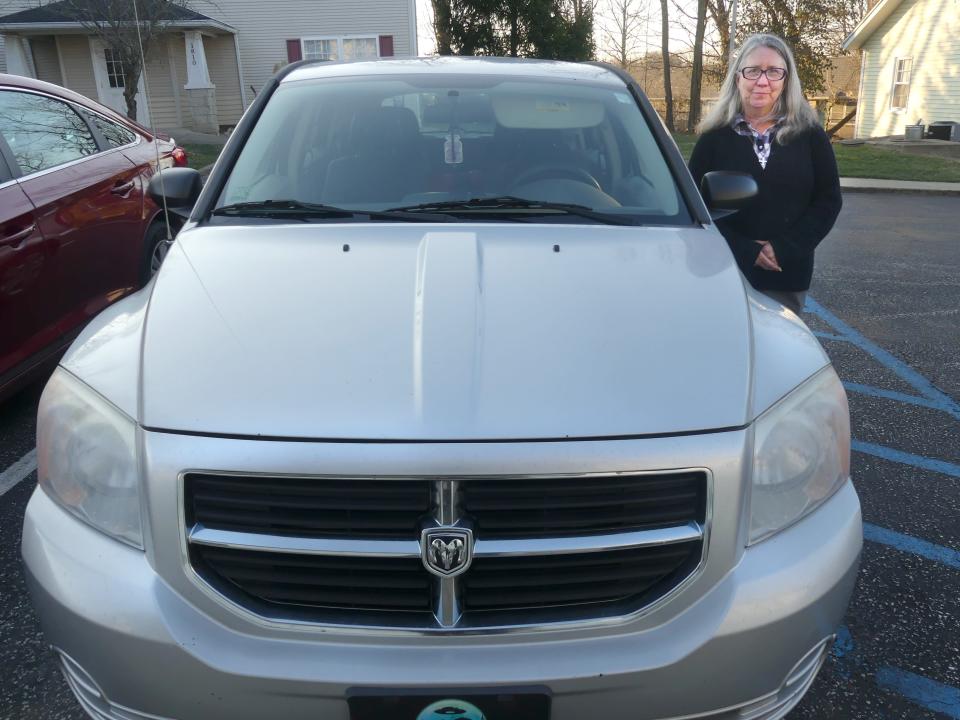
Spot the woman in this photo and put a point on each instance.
(763, 125)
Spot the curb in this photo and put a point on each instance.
(899, 191)
(855, 184)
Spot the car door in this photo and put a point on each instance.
(88, 199)
(27, 283)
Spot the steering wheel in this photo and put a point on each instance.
(567, 172)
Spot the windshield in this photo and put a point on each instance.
(426, 144)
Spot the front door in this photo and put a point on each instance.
(108, 71)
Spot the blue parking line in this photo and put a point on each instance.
(912, 545)
(920, 690)
(890, 395)
(941, 400)
(925, 463)
(930, 694)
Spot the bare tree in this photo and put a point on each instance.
(665, 51)
(696, 76)
(624, 24)
(718, 12)
(124, 27)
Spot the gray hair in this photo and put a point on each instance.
(792, 106)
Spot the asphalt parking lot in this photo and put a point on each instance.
(886, 305)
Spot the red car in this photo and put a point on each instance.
(77, 230)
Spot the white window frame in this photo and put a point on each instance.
(898, 82)
(339, 41)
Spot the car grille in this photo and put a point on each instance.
(309, 507)
(347, 551)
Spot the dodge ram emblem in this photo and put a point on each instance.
(446, 551)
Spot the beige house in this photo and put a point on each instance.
(910, 66)
(213, 58)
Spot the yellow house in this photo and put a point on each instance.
(910, 65)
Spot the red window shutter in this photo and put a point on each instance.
(294, 52)
(386, 46)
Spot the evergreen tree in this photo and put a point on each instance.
(554, 29)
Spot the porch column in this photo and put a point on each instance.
(16, 53)
(201, 93)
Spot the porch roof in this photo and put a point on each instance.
(56, 18)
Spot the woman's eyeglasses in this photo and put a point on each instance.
(752, 72)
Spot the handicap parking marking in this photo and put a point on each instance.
(929, 694)
(914, 546)
(936, 397)
(898, 456)
(923, 691)
(891, 395)
(18, 471)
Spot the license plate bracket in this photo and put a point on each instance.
(500, 703)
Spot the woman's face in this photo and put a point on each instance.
(759, 96)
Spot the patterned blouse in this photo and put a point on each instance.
(761, 140)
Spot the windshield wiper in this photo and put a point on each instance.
(510, 202)
(304, 210)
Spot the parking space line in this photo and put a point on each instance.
(923, 386)
(920, 690)
(18, 471)
(912, 545)
(891, 395)
(925, 463)
(928, 693)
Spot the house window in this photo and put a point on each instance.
(340, 48)
(359, 48)
(114, 67)
(320, 49)
(903, 69)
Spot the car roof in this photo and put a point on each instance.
(26, 83)
(495, 66)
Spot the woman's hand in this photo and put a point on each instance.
(767, 259)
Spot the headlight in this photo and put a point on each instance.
(801, 454)
(87, 459)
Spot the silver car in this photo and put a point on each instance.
(448, 401)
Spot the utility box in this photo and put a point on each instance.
(944, 130)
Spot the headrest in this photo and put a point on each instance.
(385, 129)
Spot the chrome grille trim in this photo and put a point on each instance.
(448, 613)
(199, 535)
(588, 543)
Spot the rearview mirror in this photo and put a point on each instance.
(725, 191)
(179, 186)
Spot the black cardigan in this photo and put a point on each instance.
(797, 203)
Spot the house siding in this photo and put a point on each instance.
(222, 64)
(46, 60)
(167, 74)
(929, 32)
(162, 91)
(78, 64)
(8, 8)
(264, 27)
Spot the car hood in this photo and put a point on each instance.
(458, 332)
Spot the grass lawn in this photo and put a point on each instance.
(869, 161)
(199, 156)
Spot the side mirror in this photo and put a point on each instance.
(179, 186)
(725, 192)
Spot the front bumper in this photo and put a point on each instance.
(137, 648)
